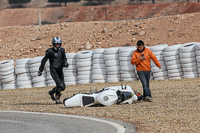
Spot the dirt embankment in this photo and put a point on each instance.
(31, 41)
(29, 16)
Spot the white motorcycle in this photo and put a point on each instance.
(106, 97)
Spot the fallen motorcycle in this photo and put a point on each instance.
(105, 97)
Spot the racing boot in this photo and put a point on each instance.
(57, 97)
(51, 93)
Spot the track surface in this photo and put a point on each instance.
(17, 122)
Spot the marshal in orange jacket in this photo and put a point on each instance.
(145, 64)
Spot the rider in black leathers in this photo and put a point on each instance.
(58, 60)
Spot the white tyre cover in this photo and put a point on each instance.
(7, 76)
(161, 78)
(173, 62)
(159, 47)
(34, 69)
(187, 47)
(70, 83)
(98, 66)
(22, 61)
(22, 66)
(111, 51)
(7, 63)
(171, 58)
(9, 68)
(172, 67)
(51, 82)
(188, 60)
(127, 49)
(127, 72)
(175, 74)
(110, 80)
(70, 55)
(80, 73)
(160, 57)
(2, 74)
(162, 63)
(25, 86)
(190, 76)
(84, 64)
(198, 64)
(84, 54)
(24, 74)
(35, 60)
(125, 63)
(172, 48)
(111, 57)
(193, 64)
(71, 67)
(158, 53)
(113, 68)
(156, 69)
(9, 86)
(40, 85)
(174, 71)
(160, 74)
(198, 58)
(35, 65)
(127, 68)
(10, 79)
(181, 77)
(125, 54)
(197, 46)
(22, 83)
(98, 81)
(130, 75)
(198, 52)
(125, 58)
(24, 78)
(188, 55)
(38, 79)
(98, 56)
(87, 68)
(172, 53)
(84, 60)
(129, 79)
(189, 73)
(71, 61)
(22, 70)
(114, 76)
(98, 71)
(111, 63)
(85, 77)
(113, 72)
(84, 81)
(99, 51)
(70, 79)
(98, 61)
(71, 74)
(190, 69)
(99, 77)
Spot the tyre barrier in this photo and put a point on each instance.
(98, 67)
(172, 60)
(111, 57)
(22, 71)
(103, 65)
(158, 51)
(34, 64)
(127, 70)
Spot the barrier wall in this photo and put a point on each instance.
(103, 65)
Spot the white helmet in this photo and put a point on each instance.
(56, 40)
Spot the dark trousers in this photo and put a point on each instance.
(144, 77)
(58, 77)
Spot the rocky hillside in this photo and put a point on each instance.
(30, 41)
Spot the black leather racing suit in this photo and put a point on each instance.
(57, 60)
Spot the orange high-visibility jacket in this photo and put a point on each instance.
(145, 64)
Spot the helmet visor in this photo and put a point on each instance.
(57, 45)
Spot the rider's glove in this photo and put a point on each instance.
(39, 73)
